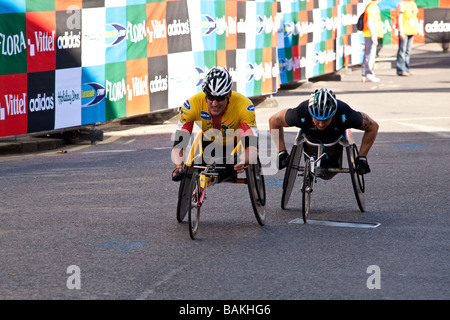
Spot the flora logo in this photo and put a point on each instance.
(12, 44)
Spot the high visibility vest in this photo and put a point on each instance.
(409, 10)
(373, 13)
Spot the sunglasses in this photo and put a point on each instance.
(218, 98)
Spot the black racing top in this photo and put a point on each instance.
(344, 118)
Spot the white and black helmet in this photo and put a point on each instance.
(217, 82)
(322, 104)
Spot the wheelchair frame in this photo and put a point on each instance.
(311, 169)
(192, 190)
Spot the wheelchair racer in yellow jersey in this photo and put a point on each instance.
(220, 112)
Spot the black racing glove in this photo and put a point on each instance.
(283, 159)
(179, 175)
(362, 167)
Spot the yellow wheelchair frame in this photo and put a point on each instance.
(198, 178)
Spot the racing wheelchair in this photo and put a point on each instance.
(313, 166)
(197, 178)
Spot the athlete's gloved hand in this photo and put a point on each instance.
(283, 159)
(362, 167)
(178, 174)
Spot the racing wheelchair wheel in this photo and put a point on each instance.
(183, 194)
(306, 190)
(257, 191)
(193, 208)
(357, 179)
(291, 174)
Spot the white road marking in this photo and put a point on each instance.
(144, 295)
(337, 223)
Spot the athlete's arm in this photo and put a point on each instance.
(249, 138)
(370, 128)
(249, 156)
(276, 124)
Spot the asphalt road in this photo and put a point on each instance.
(98, 222)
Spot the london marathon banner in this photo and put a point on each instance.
(318, 37)
(433, 17)
(69, 63)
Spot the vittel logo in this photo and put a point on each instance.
(12, 44)
(139, 87)
(69, 40)
(178, 28)
(15, 105)
(159, 84)
(41, 103)
(159, 30)
(44, 42)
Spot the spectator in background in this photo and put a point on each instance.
(373, 29)
(407, 28)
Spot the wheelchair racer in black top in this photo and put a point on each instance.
(324, 119)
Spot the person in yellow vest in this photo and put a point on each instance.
(407, 28)
(372, 32)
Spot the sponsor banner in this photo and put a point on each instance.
(315, 37)
(390, 27)
(13, 45)
(13, 6)
(115, 35)
(75, 62)
(138, 83)
(157, 34)
(116, 90)
(93, 94)
(93, 37)
(93, 3)
(158, 77)
(437, 25)
(181, 77)
(41, 101)
(13, 104)
(33, 6)
(136, 32)
(68, 38)
(67, 98)
(178, 27)
(41, 41)
(68, 5)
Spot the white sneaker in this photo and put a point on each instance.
(370, 78)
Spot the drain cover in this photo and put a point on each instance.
(337, 223)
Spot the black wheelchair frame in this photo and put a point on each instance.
(310, 168)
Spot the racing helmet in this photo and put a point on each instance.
(322, 104)
(217, 82)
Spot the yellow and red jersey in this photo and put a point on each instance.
(239, 117)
